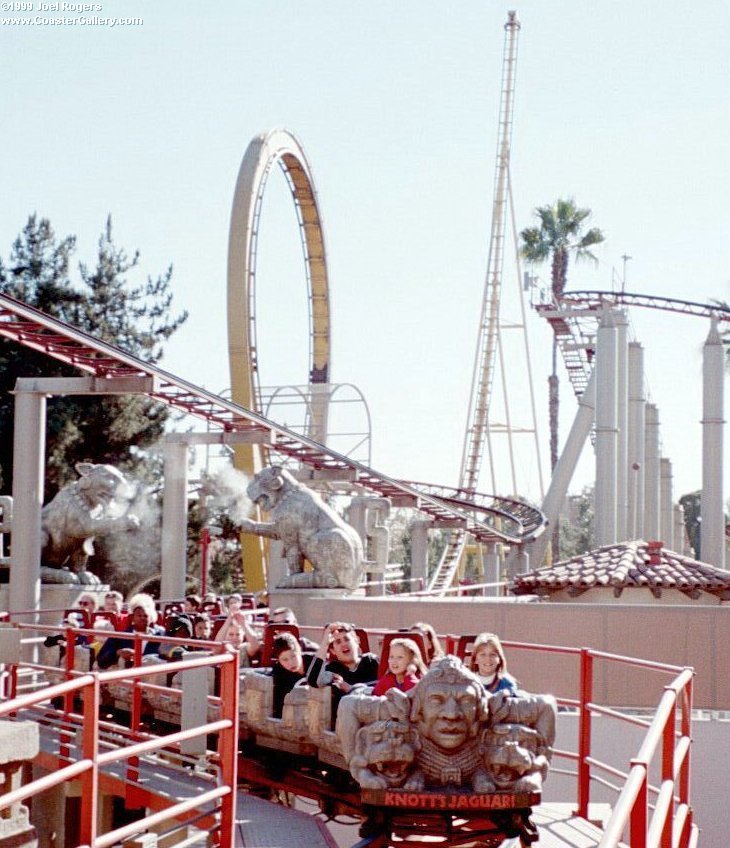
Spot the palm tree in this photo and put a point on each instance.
(560, 233)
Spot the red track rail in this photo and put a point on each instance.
(34, 329)
(574, 321)
(597, 299)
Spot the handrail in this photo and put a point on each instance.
(87, 768)
(667, 823)
(632, 808)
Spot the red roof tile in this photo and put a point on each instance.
(626, 565)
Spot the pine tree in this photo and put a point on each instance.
(138, 319)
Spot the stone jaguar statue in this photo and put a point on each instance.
(307, 527)
(80, 511)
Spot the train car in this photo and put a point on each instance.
(446, 758)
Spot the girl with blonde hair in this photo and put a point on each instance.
(489, 664)
(405, 667)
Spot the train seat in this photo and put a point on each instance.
(288, 733)
(398, 634)
(271, 631)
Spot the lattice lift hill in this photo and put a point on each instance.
(485, 517)
(488, 355)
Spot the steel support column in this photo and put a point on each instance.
(29, 451)
(606, 429)
(635, 461)
(563, 472)
(174, 519)
(622, 418)
(651, 474)
(666, 497)
(711, 505)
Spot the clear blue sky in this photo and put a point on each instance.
(622, 105)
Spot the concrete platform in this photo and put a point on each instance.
(559, 828)
(261, 824)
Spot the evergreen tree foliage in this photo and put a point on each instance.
(577, 529)
(103, 303)
(691, 503)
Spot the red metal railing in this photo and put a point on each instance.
(644, 816)
(667, 823)
(87, 767)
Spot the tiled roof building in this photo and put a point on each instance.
(628, 572)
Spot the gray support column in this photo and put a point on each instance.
(622, 418)
(419, 553)
(651, 474)
(491, 566)
(521, 561)
(679, 530)
(174, 519)
(606, 430)
(378, 534)
(666, 508)
(29, 449)
(319, 407)
(366, 515)
(357, 518)
(712, 528)
(562, 475)
(635, 462)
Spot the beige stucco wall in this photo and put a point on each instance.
(682, 635)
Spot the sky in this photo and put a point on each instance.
(621, 105)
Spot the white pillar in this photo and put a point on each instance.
(622, 418)
(357, 518)
(419, 553)
(378, 540)
(651, 474)
(318, 407)
(635, 454)
(679, 530)
(712, 528)
(491, 566)
(29, 449)
(562, 475)
(666, 508)
(174, 519)
(606, 430)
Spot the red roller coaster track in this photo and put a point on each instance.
(574, 321)
(32, 328)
